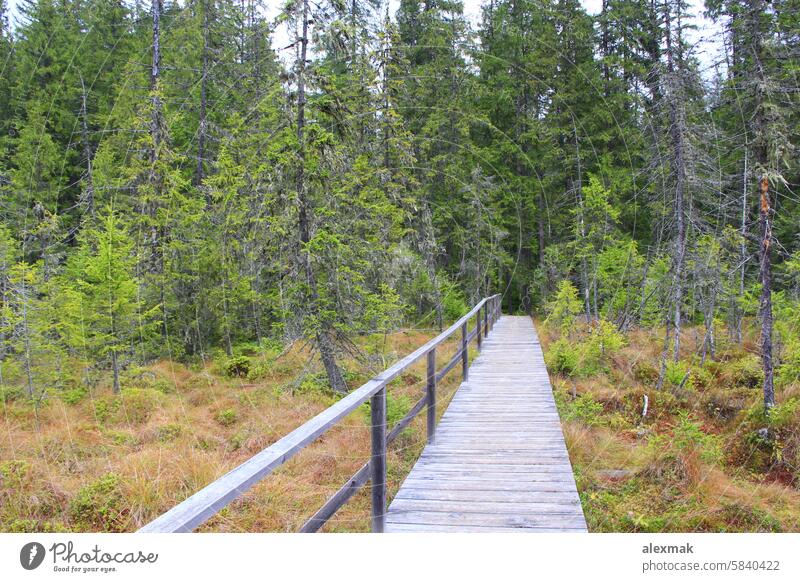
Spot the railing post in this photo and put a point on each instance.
(486, 319)
(464, 352)
(378, 460)
(478, 329)
(431, 389)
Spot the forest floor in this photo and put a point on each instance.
(699, 460)
(89, 460)
(704, 458)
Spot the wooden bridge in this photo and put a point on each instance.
(497, 461)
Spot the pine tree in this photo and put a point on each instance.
(107, 317)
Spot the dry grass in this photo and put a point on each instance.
(113, 463)
(695, 462)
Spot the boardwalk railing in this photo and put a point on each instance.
(201, 506)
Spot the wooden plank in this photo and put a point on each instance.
(479, 484)
(500, 462)
(469, 495)
(560, 498)
(493, 519)
(425, 528)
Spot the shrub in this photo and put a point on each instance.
(689, 437)
(605, 339)
(105, 407)
(746, 372)
(675, 374)
(453, 305)
(237, 366)
(563, 358)
(226, 417)
(164, 386)
(14, 471)
(585, 409)
(98, 506)
(138, 404)
(789, 370)
(564, 308)
(259, 370)
(73, 396)
(34, 526)
(645, 372)
(780, 416)
(11, 393)
(168, 432)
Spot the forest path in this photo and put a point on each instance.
(499, 462)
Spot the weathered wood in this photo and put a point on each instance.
(377, 461)
(464, 353)
(478, 330)
(427, 528)
(499, 462)
(359, 479)
(494, 519)
(431, 393)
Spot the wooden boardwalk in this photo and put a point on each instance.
(499, 462)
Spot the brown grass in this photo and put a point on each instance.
(166, 446)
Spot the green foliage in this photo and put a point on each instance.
(604, 339)
(136, 405)
(168, 432)
(564, 307)
(73, 396)
(688, 436)
(454, 305)
(584, 409)
(563, 358)
(226, 417)
(237, 366)
(676, 375)
(746, 372)
(99, 506)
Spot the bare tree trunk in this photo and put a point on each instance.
(88, 193)
(323, 338)
(115, 368)
(762, 139)
(742, 251)
(677, 133)
(766, 295)
(202, 129)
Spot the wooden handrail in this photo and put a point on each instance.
(201, 506)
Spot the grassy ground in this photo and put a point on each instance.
(87, 460)
(704, 458)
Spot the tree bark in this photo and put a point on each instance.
(766, 295)
(202, 128)
(323, 339)
(88, 193)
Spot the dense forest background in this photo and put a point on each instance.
(170, 186)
